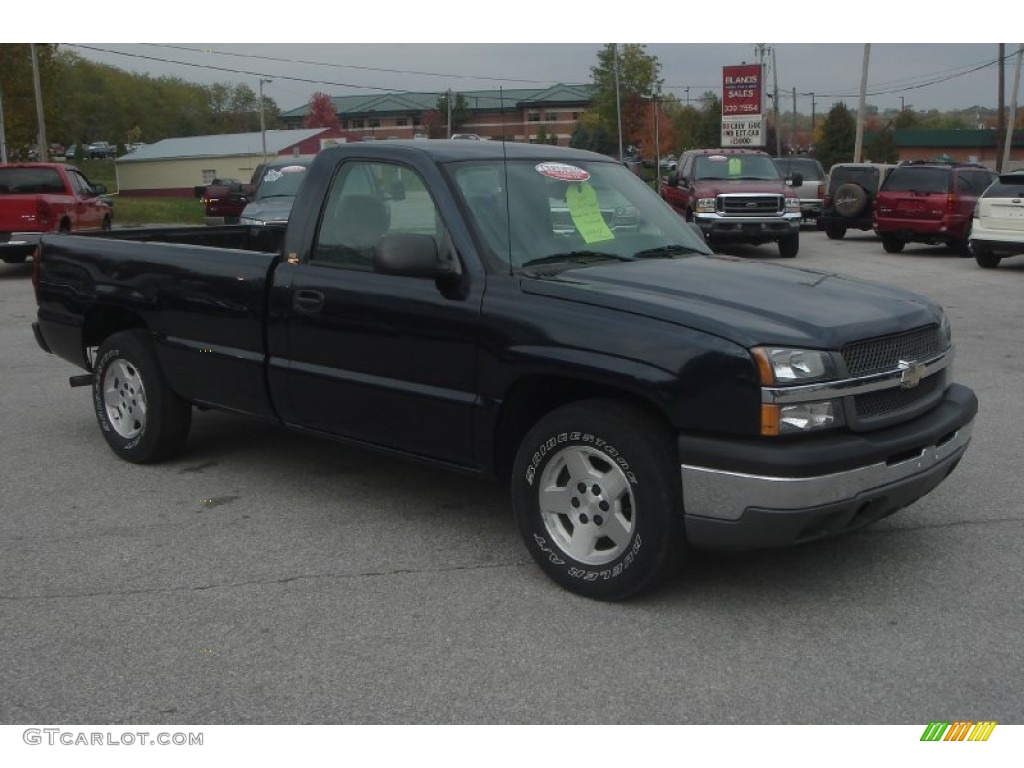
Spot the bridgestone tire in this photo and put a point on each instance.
(598, 499)
(142, 420)
(850, 200)
(789, 246)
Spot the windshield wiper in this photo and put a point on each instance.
(665, 251)
(577, 256)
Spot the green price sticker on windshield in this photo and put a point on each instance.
(586, 213)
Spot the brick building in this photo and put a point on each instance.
(521, 114)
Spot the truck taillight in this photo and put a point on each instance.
(44, 212)
(951, 202)
(821, 191)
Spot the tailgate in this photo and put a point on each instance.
(20, 213)
(1003, 214)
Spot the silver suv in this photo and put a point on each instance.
(812, 191)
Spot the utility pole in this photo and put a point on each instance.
(44, 148)
(1001, 120)
(3, 135)
(449, 113)
(775, 101)
(859, 142)
(657, 145)
(812, 117)
(1008, 142)
(618, 97)
(792, 140)
(263, 121)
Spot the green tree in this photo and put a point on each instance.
(460, 111)
(882, 146)
(637, 80)
(837, 136)
(593, 137)
(21, 126)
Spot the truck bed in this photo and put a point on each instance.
(201, 291)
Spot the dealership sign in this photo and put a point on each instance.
(742, 114)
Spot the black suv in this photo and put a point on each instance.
(850, 196)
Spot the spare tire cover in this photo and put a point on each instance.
(850, 199)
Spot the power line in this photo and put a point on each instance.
(347, 66)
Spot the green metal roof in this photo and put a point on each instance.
(969, 138)
(408, 101)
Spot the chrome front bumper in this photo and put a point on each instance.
(734, 510)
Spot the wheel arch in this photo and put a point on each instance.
(532, 397)
(103, 321)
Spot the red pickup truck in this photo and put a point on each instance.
(46, 197)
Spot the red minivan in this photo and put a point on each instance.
(929, 202)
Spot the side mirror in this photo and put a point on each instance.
(673, 179)
(411, 255)
(796, 180)
(99, 189)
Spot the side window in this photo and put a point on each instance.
(79, 184)
(685, 171)
(367, 201)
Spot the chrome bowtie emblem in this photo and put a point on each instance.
(913, 372)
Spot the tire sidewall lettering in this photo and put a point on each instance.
(97, 392)
(562, 438)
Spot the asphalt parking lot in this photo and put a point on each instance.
(265, 577)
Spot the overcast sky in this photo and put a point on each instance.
(534, 44)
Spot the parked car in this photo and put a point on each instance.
(850, 193)
(997, 229)
(275, 191)
(100, 149)
(669, 163)
(223, 200)
(812, 189)
(46, 197)
(469, 136)
(636, 394)
(929, 202)
(736, 195)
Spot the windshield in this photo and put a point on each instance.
(281, 181)
(573, 213)
(747, 167)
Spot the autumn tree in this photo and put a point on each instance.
(321, 112)
(637, 80)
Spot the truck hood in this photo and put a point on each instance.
(746, 302)
(712, 187)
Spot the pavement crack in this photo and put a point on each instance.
(255, 582)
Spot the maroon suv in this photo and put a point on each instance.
(929, 202)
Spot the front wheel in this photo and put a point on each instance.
(598, 499)
(789, 246)
(142, 419)
(985, 258)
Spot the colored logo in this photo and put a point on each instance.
(959, 730)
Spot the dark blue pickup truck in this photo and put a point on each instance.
(537, 315)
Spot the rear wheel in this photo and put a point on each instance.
(985, 257)
(835, 231)
(598, 499)
(142, 419)
(892, 244)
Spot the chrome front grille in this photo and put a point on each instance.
(885, 402)
(885, 353)
(750, 205)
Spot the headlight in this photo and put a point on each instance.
(947, 331)
(792, 205)
(254, 222)
(776, 365)
(779, 367)
(705, 205)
